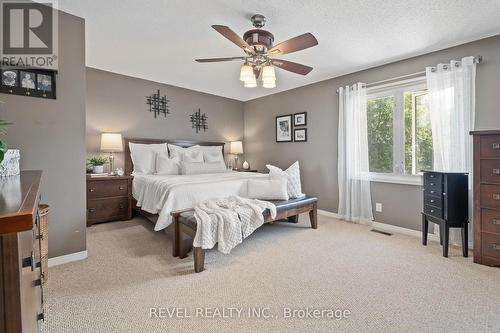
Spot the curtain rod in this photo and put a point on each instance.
(477, 60)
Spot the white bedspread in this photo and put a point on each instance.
(228, 221)
(164, 194)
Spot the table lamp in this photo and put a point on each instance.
(111, 143)
(236, 148)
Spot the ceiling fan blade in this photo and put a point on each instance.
(233, 37)
(294, 44)
(220, 59)
(292, 66)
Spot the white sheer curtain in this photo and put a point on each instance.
(355, 202)
(452, 93)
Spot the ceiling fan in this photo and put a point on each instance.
(259, 51)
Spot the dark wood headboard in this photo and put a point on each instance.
(129, 167)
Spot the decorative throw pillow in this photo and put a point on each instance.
(144, 156)
(196, 168)
(267, 189)
(212, 153)
(166, 165)
(293, 176)
(190, 154)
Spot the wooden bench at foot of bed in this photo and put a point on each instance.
(185, 225)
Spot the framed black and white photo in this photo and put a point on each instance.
(300, 119)
(284, 128)
(300, 135)
(10, 78)
(32, 82)
(44, 82)
(28, 80)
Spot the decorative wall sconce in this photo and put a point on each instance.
(198, 121)
(158, 105)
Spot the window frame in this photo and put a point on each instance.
(397, 90)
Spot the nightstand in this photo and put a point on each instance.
(109, 199)
(243, 170)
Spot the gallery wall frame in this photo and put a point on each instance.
(284, 128)
(30, 82)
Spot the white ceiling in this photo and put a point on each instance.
(159, 40)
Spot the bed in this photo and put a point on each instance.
(155, 197)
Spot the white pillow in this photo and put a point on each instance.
(212, 153)
(144, 156)
(196, 168)
(190, 154)
(166, 165)
(293, 176)
(267, 189)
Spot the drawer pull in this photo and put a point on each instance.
(495, 146)
(38, 282)
(496, 171)
(122, 206)
(496, 247)
(39, 236)
(40, 316)
(432, 200)
(432, 210)
(91, 190)
(432, 192)
(121, 188)
(91, 210)
(431, 176)
(432, 184)
(496, 221)
(30, 261)
(496, 196)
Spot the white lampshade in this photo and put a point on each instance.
(111, 142)
(269, 83)
(250, 83)
(246, 73)
(236, 147)
(268, 73)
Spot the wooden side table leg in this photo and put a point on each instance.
(465, 240)
(425, 229)
(175, 238)
(199, 259)
(446, 237)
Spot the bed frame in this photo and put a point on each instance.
(129, 167)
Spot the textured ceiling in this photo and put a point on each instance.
(159, 40)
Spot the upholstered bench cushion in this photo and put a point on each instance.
(188, 219)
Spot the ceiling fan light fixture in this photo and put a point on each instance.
(250, 83)
(268, 73)
(246, 73)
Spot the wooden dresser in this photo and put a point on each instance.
(446, 204)
(109, 199)
(486, 197)
(21, 294)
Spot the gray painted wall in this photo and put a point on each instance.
(51, 136)
(318, 157)
(117, 103)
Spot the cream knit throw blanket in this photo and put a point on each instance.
(228, 221)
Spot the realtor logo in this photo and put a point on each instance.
(28, 34)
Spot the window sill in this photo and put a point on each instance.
(415, 180)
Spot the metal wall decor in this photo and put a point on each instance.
(198, 121)
(158, 105)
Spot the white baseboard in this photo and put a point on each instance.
(67, 258)
(386, 227)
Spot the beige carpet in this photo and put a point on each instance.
(389, 284)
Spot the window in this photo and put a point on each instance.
(399, 131)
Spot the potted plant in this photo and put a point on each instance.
(3, 145)
(97, 163)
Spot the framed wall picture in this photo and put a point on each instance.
(300, 119)
(31, 82)
(300, 135)
(284, 128)
(10, 77)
